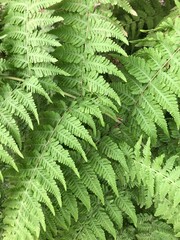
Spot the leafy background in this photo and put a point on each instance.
(89, 120)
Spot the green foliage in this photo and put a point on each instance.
(27, 46)
(153, 83)
(148, 228)
(73, 107)
(159, 183)
(149, 14)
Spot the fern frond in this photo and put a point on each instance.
(153, 84)
(7, 159)
(100, 222)
(111, 150)
(90, 106)
(148, 227)
(92, 225)
(65, 137)
(13, 104)
(91, 181)
(27, 47)
(79, 179)
(161, 182)
(7, 120)
(126, 6)
(8, 141)
(80, 191)
(147, 17)
(2, 64)
(84, 36)
(43, 70)
(123, 202)
(104, 45)
(34, 86)
(105, 222)
(151, 228)
(85, 118)
(62, 156)
(73, 125)
(104, 169)
(115, 213)
(45, 153)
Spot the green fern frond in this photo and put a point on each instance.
(67, 138)
(103, 168)
(20, 230)
(104, 45)
(62, 156)
(21, 6)
(115, 213)
(8, 141)
(153, 84)
(34, 86)
(148, 227)
(92, 225)
(123, 202)
(147, 17)
(73, 125)
(71, 202)
(43, 70)
(13, 105)
(7, 120)
(7, 159)
(80, 191)
(84, 36)
(105, 222)
(27, 49)
(91, 181)
(126, 6)
(75, 6)
(90, 106)
(161, 182)
(151, 228)
(85, 118)
(44, 154)
(100, 222)
(111, 150)
(26, 100)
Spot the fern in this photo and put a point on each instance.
(19, 77)
(169, 145)
(42, 175)
(148, 228)
(84, 36)
(96, 223)
(160, 183)
(149, 15)
(65, 131)
(153, 84)
(72, 107)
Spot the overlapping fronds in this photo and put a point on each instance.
(94, 224)
(55, 150)
(149, 14)
(26, 50)
(153, 87)
(73, 169)
(87, 32)
(148, 227)
(160, 183)
(40, 173)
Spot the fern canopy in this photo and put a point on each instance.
(89, 120)
(153, 88)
